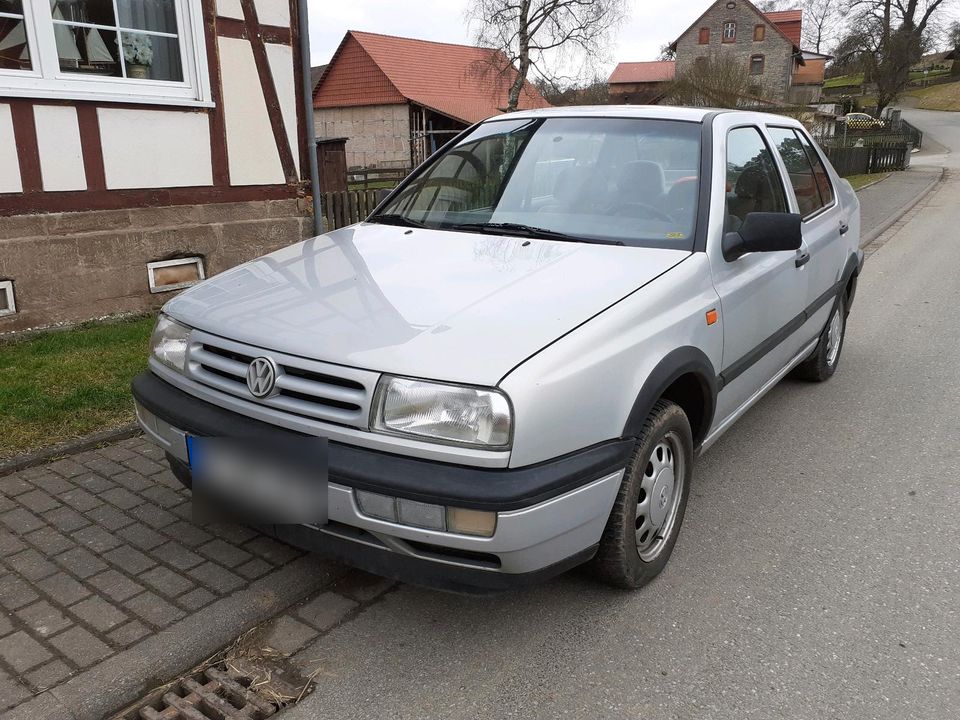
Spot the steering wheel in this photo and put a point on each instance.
(627, 209)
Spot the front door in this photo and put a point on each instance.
(762, 295)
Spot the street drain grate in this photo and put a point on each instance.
(210, 695)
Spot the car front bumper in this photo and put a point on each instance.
(549, 517)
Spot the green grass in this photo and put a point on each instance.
(60, 385)
(854, 80)
(858, 181)
(937, 97)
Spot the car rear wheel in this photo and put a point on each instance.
(823, 363)
(646, 517)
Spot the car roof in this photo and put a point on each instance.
(649, 112)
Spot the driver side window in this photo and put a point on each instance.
(753, 182)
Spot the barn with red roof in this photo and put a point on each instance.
(397, 99)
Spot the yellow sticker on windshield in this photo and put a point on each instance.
(675, 236)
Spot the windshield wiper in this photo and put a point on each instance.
(521, 230)
(395, 219)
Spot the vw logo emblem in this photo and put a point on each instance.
(262, 377)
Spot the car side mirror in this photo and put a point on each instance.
(763, 232)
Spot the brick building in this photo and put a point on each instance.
(397, 99)
(143, 145)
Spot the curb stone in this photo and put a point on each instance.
(872, 183)
(123, 678)
(871, 235)
(71, 447)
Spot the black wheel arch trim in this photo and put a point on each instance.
(851, 272)
(678, 362)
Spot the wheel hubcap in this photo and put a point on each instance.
(834, 334)
(659, 497)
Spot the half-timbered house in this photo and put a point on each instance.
(144, 144)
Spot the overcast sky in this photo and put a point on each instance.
(650, 24)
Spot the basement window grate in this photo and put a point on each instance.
(177, 274)
(8, 304)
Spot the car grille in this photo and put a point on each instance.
(305, 388)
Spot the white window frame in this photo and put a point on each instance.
(732, 26)
(6, 288)
(153, 266)
(46, 80)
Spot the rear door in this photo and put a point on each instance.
(761, 294)
(815, 199)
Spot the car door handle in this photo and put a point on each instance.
(803, 257)
(843, 228)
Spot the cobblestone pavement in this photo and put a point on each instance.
(97, 551)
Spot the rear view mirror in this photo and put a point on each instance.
(763, 232)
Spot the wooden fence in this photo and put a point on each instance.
(375, 178)
(345, 208)
(852, 160)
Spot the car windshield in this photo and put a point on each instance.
(614, 180)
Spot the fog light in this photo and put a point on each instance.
(420, 514)
(471, 522)
(378, 506)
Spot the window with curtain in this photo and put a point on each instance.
(120, 38)
(111, 49)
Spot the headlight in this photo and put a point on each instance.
(168, 344)
(443, 413)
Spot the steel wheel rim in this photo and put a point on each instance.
(834, 335)
(661, 487)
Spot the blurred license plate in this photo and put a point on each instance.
(252, 480)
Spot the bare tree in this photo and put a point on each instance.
(591, 92)
(821, 19)
(545, 37)
(668, 51)
(953, 43)
(887, 37)
(766, 6)
(719, 80)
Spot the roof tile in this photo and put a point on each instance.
(460, 81)
(641, 72)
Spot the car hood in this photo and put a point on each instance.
(433, 304)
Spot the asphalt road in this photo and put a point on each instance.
(817, 575)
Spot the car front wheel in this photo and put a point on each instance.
(646, 516)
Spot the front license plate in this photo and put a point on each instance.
(257, 481)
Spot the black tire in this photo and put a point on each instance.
(618, 561)
(819, 367)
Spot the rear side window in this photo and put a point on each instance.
(819, 171)
(808, 176)
(753, 183)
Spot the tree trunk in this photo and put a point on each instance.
(523, 36)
